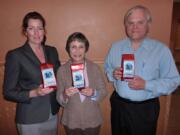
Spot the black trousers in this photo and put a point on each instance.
(133, 118)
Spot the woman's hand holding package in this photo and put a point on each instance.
(87, 91)
(40, 91)
(71, 91)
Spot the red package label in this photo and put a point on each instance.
(127, 66)
(48, 76)
(78, 79)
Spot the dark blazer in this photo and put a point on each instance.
(22, 74)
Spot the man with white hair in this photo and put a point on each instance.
(135, 100)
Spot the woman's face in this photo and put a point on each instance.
(77, 51)
(35, 32)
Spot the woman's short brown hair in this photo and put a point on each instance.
(77, 36)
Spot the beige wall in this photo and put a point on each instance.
(100, 20)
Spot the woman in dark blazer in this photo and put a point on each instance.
(37, 108)
(82, 114)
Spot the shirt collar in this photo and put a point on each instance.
(144, 44)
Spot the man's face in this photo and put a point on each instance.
(137, 25)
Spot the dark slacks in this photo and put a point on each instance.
(87, 131)
(133, 118)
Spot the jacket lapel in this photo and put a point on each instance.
(46, 54)
(90, 74)
(30, 54)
